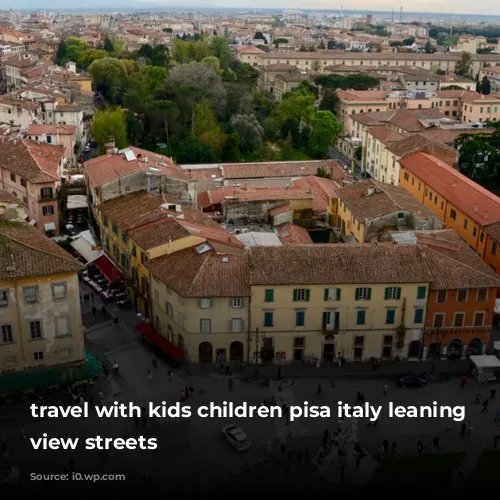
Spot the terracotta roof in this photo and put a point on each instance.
(36, 162)
(212, 232)
(362, 95)
(269, 194)
(157, 233)
(448, 136)
(410, 121)
(372, 118)
(322, 190)
(291, 234)
(453, 264)
(29, 252)
(6, 197)
(493, 230)
(385, 135)
(282, 209)
(417, 142)
(473, 200)
(207, 274)
(108, 168)
(40, 129)
(202, 174)
(347, 264)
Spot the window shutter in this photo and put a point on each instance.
(243, 302)
(230, 329)
(326, 293)
(356, 294)
(386, 295)
(308, 294)
(242, 325)
(199, 304)
(369, 293)
(295, 295)
(398, 292)
(210, 302)
(230, 303)
(337, 320)
(325, 319)
(339, 293)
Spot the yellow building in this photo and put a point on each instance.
(368, 300)
(84, 80)
(200, 303)
(40, 317)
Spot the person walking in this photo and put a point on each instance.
(493, 393)
(319, 392)
(386, 390)
(155, 364)
(435, 443)
(93, 311)
(463, 381)
(486, 403)
(150, 376)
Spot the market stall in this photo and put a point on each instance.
(485, 368)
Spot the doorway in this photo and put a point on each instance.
(328, 353)
(415, 349)
(435, 350)
(359, 347)
(299, 345)
(236, 351)
(475, 347)
(267, 352)
(387, 347)
(205, 353)
(220, 356)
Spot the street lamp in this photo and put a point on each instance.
(257, 337)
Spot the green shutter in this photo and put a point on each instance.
(369, 293)
(356, 295)
(308, 294)
(339, 293)
(386, 294)
(421, 292)
(337, 320)
(269, 295)
(295, 295)
(326, 294)
(398, 292)
(325, 319)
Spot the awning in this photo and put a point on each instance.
(107, 267)
(485, 361)
(50, 226)
(76, 201)
(84, 248)
(32, 222)
(161, 342)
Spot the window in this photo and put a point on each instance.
(363, 293)
(299, 342)
(390, 316)
(393, 293)
(59, 291)
(236, 302)
(114, 228)
(269, 295)
(268, 319)
(474, 231)
(205, 303)
(62, 326)
(144, 258)
(462, 295)
(36, 330)
(180, 319)
(478, 318)
(453, 214)
(442, 205)
(458, 319)
(236, 325)
(301, 295)
(124, 238)
(421, 291)
(48, 210)
(441, 296)
(466, 222)
(300, 318)
(12, 177)
(10, 361)
(30, 294)
(4, 298)
(419, 316)
(157, 298)
(23, 182)
(361, 317)
(38, 356)
(65, 353)
(7, 336)
(205, 325)
(494, 248)
(482, 295)
(331, 320)
(438, 321)
(332, 294)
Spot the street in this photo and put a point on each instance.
(337, 155)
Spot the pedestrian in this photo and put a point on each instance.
(169, 374)
(435, 442)
(478, 398)
(385, 444)
(319, 392)
(463, 428)
(93, 310)
(386, 389)
(493, 393)
(394, 447)
(101, 397)
(359, 395)
(375, 364)
(183, 396)
(155, 364)
(486, 402)
(82, 401)
(279, 373)
(150, 376)
(420, 447)
(463, 381)
(230, 384)
(187, 392)
(496, 441)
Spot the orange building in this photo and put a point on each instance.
(461, 300)
(470, 210)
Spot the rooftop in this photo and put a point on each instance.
(291, 234)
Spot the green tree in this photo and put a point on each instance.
(108, 45)
(249, 130)
(189, 150)
(61, 53)
(355, 82)
(258, 35)
(110, 77)
(110, 123)
(91, 55)
(70, 49)
(279, 41)
(463, 66)
(329, 100)
(325, 128)
(428, 48)
(322, 45)
(219, 47)
(206, 128)
(409, 41)
(297, 105)
(168, 30)
(164, 112)
(485, 86)
(213, 62)
(303, 48)
(374, 47)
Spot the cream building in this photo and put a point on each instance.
(366, 301)
(40, 316)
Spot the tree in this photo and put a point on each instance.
(213, 62)
(322, 45)
(463, 66)
(374, 47)
(110, 77)
(296, 106)
(206, 128)
(485, 86)
(165, 112)
(428, 48)
(91, 55)
(108, 45)
(189, 150)
(329, 100)
(245, 73)
(249, 130)
(258, 35)
(325, 129)
(409, 41)
(70, 49)
(303, 48)
(61, 53)
(278, 41)
(110, 123)
(355, 82)
(219, 47)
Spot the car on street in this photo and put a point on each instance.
(412, 381)
(86, 149)
(8, 475)
(236, 437)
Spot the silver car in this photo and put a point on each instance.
(236, 437)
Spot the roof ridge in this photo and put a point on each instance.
(200, 269)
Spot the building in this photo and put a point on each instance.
(11, 208)
(470, 210)
(58, 135)
(32, 172)
(201, 301)
(369, 209)
(493, 75)
(40, 317)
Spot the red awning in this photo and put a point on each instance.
(107, 267)
(161, 342)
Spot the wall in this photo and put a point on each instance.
(47, 309)
(492, 259)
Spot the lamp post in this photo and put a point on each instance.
(257, 337)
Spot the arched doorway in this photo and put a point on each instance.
(170, 334)
(180, 342)
(475, 347)
(434, 350)
(415, 349)
(205, 353)
(236, 351)
(454, 349)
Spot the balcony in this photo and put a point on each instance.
(330, 330)
(47, 197)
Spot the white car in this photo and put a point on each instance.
(236, 437)
(9, 475)
(86, 149)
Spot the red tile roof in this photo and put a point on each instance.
(212, 232)
(291, 234)
(270, 194)
(323, 190)
(40, 129)
(280, 210)
(473, 200)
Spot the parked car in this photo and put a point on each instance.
(8, 475)
(236, 437)
(86, 149)
(412, 381)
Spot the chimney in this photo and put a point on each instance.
(110, 147)
(148, 181)
(475, 207)
(485, 215)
